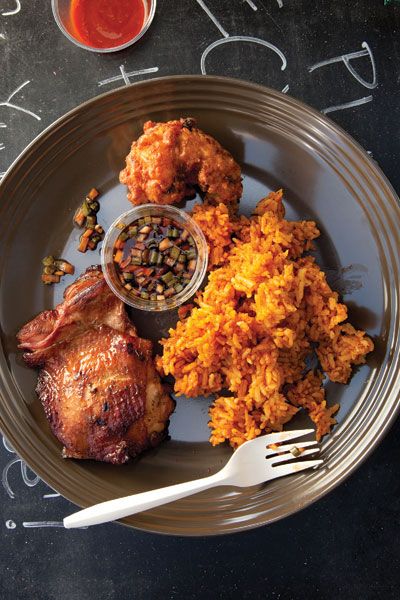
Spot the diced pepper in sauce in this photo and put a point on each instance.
(155, 258)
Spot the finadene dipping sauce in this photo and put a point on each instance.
(106, 23)
(155, 257)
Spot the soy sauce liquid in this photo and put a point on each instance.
(158, 233)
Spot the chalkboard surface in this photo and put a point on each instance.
(342, 58)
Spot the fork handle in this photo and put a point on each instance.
(130, 505)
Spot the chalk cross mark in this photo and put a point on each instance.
(125, 76)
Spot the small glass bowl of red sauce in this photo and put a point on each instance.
(154, 257)
(103, 25)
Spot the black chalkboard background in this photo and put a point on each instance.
(345, 546)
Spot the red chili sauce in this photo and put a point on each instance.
(106, 23)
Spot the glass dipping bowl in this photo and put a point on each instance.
(110, 271)
(61, 13)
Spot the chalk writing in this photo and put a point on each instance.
(280, 3)
(15, 106)
(7, 445)
(4, 477)
(125, 76)
(31, 524)
(236, 38)
(241, 38)
(351, 104)
(30, 482)
(34, 524)
(346, 58)
(2, 146)
(213, 18)
(24, 474)
(251, 4)
(10, 524)
(14, 11)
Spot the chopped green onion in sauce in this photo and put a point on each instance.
(155, 258)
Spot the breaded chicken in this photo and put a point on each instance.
(97, 381)
(170, 159)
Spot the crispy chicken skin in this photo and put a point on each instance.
(97, 381)
(169, 159)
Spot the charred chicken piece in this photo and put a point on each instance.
(170, 159)
(97, 381)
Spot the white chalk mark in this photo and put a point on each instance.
(346, 58)
(13, 12)
(280, 3)
(34, 524)
(24, 473)
(251, 4)
(2, 146)
(24, 110)
(370, 152)
(6, 443)
(2, 36)
(55, 495)
(125, 76)
(3, 125)
(351, 104)
(4, 476)
(285, 89)
(240, 38)
(10, 524)
(213, 18)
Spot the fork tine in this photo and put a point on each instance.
(289, 469)
(284, 436)
(284, 458)
(288, 447)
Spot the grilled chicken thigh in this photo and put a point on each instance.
(97, 381)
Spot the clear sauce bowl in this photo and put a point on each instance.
(110, 271)
(62, 16)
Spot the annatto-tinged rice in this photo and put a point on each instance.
(219, 227)
(262, 313)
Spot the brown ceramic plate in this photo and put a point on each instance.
(279, 143)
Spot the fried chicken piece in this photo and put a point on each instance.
(170, 159)
(97, 381)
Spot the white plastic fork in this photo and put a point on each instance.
(251, 464)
